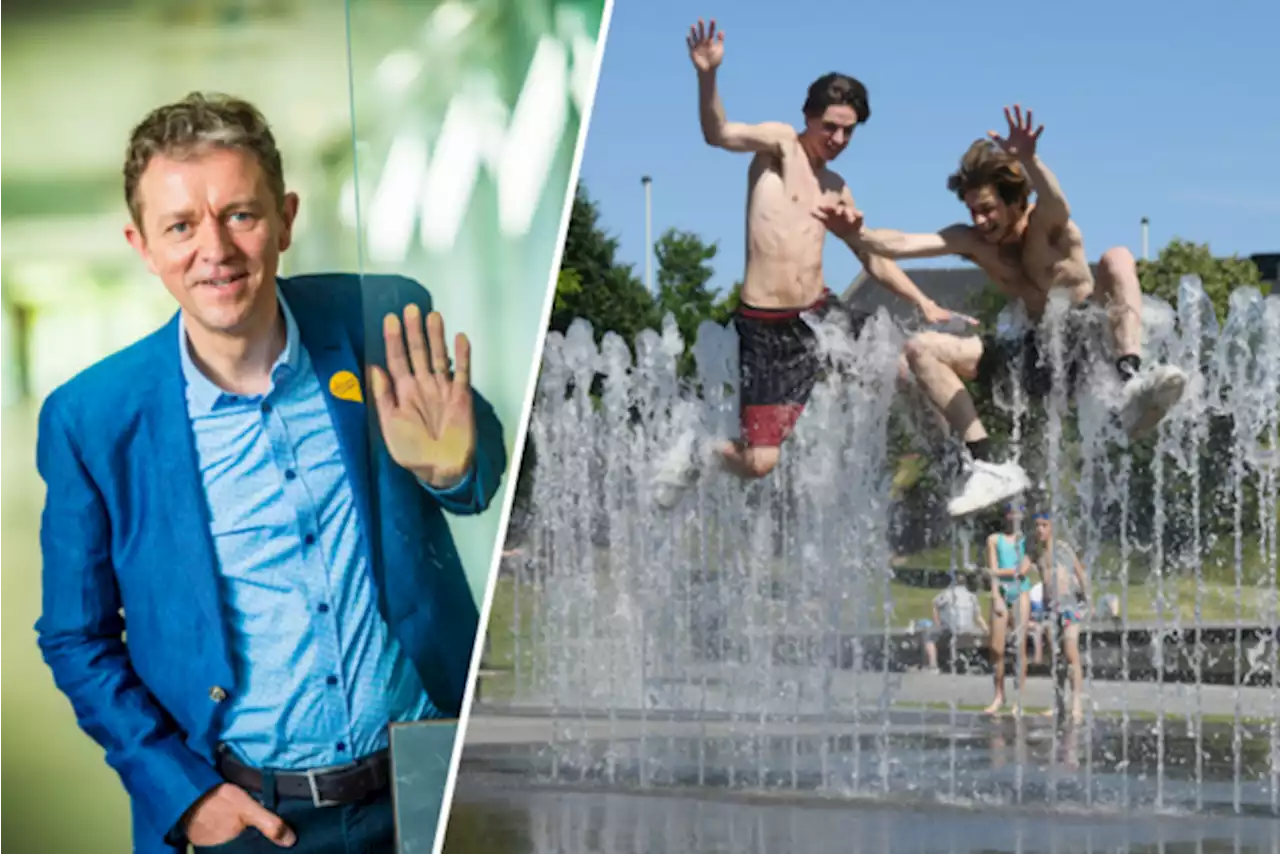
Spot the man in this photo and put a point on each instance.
(787, 178)
(957, 612)
(286, 571)
(1066, 603)
(1029, 251)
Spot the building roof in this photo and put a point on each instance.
(952, 288)
(1268, 264)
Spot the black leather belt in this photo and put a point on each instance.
(324, 787)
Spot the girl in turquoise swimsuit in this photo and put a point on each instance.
(1010, 599)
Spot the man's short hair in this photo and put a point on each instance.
(188, 127)
(837, 90)
(986, 164)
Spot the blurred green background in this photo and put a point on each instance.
(375, 104)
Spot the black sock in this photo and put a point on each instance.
(981, 449)
(1128, 366)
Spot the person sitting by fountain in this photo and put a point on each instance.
(1007, 567)
(957, 612)
(783, 282)
(1029, 251)
(1066, 592)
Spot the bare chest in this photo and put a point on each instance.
(784, 198)
(1030, 269)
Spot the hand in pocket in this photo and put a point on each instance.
(228, 811)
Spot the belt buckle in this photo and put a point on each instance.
(311, 774)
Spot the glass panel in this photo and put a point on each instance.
(467, 114)
(78, 75)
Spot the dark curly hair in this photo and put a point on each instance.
(837, 90)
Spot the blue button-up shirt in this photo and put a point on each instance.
(318, 673)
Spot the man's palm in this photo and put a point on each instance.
(426, 413)
(1023, 134)
(706, 46)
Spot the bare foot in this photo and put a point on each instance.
(1077, 715)
(1016, 711)
(1047, 713)
(994, 708)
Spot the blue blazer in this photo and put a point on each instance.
(125, 534)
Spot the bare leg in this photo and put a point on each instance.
(747, 461)
(999, 629)
(1121, 293)
(1071, 649)
(1023, 607)
(679, 466)
(1037, 641)
(939, 362)
(1150, 395)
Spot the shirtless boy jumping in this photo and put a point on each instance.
(1028, 250)
(787, 179)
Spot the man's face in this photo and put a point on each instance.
(831, 131)
(213, 232)
(992, 217)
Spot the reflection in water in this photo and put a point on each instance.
(919, 759)
(492, 817)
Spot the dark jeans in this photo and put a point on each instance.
(364, 828)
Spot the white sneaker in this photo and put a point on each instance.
(987, 485)
(1148, 397)
(676, 471)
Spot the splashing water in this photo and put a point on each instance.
(756, 634)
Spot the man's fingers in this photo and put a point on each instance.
(397, 361)
(417, 342)
(462, 368)
(384, 397)
(439, 353)
(268, 824)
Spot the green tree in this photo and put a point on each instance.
(1219, 276)
(683, 273)
(684, 270)
(593, 285)
(722, 311)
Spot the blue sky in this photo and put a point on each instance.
(1174, 115)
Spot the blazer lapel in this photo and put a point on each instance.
(177, 479)
(338, 370)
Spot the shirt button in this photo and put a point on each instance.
(342, 745)
(323, 609)
(290, 474)
(217, 694)
(266, 407)
(332, 680)
(309, 539)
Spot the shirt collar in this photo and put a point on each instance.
(204, 395)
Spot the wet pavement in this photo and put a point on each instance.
(909, 780)
(499, 814)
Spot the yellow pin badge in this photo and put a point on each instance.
(344, 386)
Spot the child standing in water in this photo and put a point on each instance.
(1066, 603)
(1010, 600)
